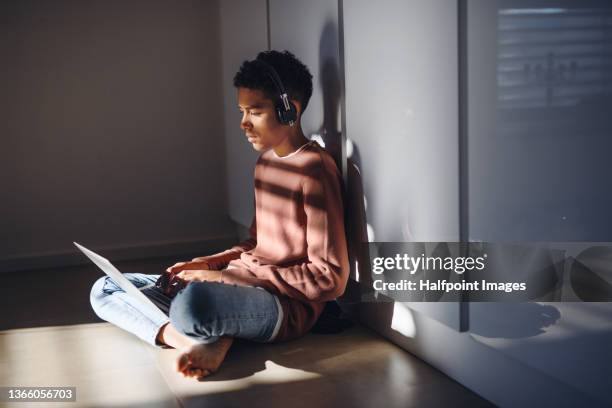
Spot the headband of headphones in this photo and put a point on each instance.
(286, 111)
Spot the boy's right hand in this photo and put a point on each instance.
(170, 284)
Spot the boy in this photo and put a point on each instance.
(271, 287)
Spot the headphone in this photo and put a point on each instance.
(286, 111)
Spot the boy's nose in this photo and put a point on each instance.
(245, 124)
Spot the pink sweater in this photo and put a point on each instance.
(297, 248)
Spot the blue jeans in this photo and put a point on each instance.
(203, 311)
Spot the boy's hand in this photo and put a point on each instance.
(190, 275)
(175, 279)
(170, 282)
(198, 264)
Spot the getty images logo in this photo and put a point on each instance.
(412, 264)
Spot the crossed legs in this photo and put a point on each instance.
(202, 320)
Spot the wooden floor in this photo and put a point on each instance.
(50, 337)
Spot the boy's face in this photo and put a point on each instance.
(259, 121)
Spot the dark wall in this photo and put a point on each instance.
(111, 122)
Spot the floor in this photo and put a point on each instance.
(55, 340)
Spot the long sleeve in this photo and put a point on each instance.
(324, 273)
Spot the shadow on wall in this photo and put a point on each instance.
(329, 76)
(355, 220)
(511, 321)
(583, 277)
(331, 137)
(386, 313)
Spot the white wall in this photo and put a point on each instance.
(402, 117)
(112, 129)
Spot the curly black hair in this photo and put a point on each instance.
(295, 76)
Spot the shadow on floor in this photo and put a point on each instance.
(59, 297)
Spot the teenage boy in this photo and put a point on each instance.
(273, 286)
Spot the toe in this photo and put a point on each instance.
(194, 372)
(205, 373)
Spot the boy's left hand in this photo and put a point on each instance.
(194, 275)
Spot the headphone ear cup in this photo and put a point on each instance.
(286, 117)
(280, 110)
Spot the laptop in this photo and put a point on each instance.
(121, 281)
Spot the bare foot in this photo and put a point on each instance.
(201, 360)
